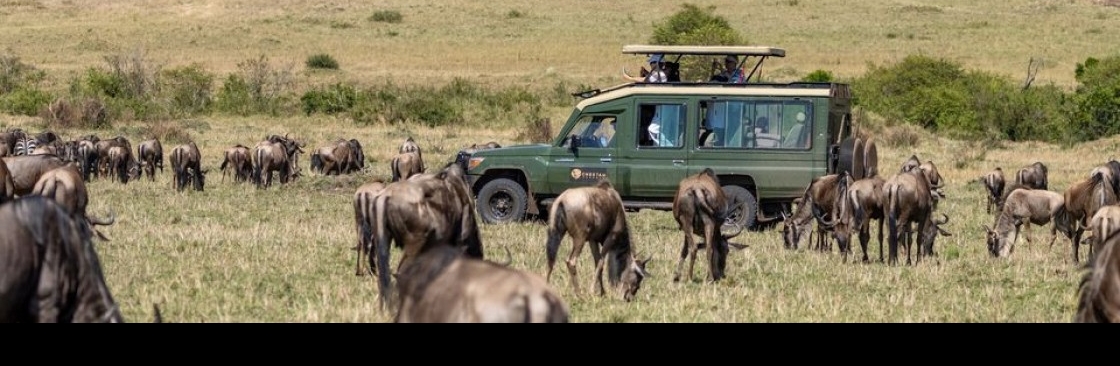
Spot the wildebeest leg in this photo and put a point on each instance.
(573, 258)
(714, 246)
(689, 246)
(1027, 235)
(1076, 244)
(864, 237)
(597, 257)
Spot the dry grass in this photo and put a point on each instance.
(236, 254)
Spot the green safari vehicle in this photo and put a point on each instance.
(766, 141)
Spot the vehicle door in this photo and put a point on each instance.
(586, 155)
(656, 157)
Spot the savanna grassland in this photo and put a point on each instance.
(237, 254)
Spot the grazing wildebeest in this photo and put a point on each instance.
(994, 183)
(101, 147)
(1022, 206)
(405, 165)
(275, 154)
(700, 207)
(1034, 176)
(65, 185)
(237, 160)
(186, 163)
(820, 195)
(911, 163)
(860, 203)
(364, 198)
(595, 215)
(7, 188)
(334, 159)
(936, 183)
(444, 286)
(52, 273)
(418, 213)
(123, 164)
(1099, 289)
(150, 153)
(25, 170)
(1082, 200)
(908, 200)
(1103, 224)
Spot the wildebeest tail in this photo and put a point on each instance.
(382, 248)
(396, 169)
(857, 210)
(364, 215)
(557, 227)
(892, 218)
(257, 163)
(316, 162)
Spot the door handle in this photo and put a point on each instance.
(605, 160)
(678, 161)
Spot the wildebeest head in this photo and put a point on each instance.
(632, 278)
(358, 157)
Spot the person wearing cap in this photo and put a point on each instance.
(731, 73)
(656, 73)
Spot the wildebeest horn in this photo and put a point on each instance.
(738, 229)
(762, 219)
(937, 224)
(943, 221)
(103, 222)
(826, 223)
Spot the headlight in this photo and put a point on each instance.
(474, 162)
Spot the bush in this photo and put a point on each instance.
(187, 90)
(818, 76)
(386, 16)
(322, 61)
(695, 26)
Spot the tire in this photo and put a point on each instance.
(744, 210)
(851, 158)
(870, 158)
(501, 201)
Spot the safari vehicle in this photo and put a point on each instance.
(766, 141)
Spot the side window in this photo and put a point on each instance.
(723, 124)
(593, 131)
(661, 125)
(796, 126)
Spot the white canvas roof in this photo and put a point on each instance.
(705, 50)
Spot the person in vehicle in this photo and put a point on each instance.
(730, 72)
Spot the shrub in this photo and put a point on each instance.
(695, 26)
(386, 16)
(322, 61)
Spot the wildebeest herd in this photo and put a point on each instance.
(52, 272)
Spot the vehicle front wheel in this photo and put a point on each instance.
(744, 207)
(502, 200)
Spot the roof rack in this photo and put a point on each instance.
(762, 52)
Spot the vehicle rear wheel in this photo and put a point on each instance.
(744, 207)
(501, 200)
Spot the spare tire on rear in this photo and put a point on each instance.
(870, 158)
(851, 158)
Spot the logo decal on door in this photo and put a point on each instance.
(588, 174)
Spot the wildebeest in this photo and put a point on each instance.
(150, 153)
(936, 183)
(1103, 224)
(7, 188)
(65, 185)
(595, 215)
(1099, 289)
(700, 207)
(364, 198)
(123, 164)
(341, 157)
(1082, 200)
(820, 196)
(994, 182)
(444, 286)
(101, 163)
(237, 161)
(275, 154)
(25, 170)
(186, 163)
(52, 273)
(1034, 176)
(860, 203)
(405, 165)
(1023, 206)
(908, 200)
(419, 213)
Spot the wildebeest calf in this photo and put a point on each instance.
(150, 153)
(52, 273)
(444, 286)
(994, 183)
(238, 161)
